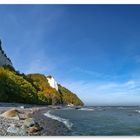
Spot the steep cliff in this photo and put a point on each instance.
(54, 92)
(31, 88)
(4, 60)
(52, 82)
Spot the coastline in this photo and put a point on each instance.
(49, 126)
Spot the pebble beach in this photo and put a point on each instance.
(48, 126)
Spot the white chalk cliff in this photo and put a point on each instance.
(4, 60)
(52, 82)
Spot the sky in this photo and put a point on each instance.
(94, 50)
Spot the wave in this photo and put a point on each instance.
(86, 109)
(137, 111)
(122, 108)
(67, 108)
(66, 122)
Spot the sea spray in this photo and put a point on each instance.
(66, 122)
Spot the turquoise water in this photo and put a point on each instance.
(101, 121)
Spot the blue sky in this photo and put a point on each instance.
(94, 50)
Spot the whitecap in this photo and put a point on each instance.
(66, 122)
(137, 111)
(86, 109)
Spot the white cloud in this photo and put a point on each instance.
(90, 72)
(110, 93)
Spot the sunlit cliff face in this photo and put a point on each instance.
(4, 60)
(52, 82)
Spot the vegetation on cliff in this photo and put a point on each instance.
(32, 88)
(14, 88)
(52, 96)
(69, 97)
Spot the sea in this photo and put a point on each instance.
(100, 120)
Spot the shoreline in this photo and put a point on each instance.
(49, 126)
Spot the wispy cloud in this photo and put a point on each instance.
(36, 67)
(29, 53)
(40, 63)
(99, 76)
(45, 43)
(89, 72)
(106, 93)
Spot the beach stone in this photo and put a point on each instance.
(29, 122)
(33, 129)
(28, 115)
(16, 130)
(31, 126)
(12, 113)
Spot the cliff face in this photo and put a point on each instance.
(53, 93)
(52, 82)
(31, 88)
(4, 60)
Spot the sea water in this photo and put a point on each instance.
(99, 121)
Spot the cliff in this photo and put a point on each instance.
(53, 92)
(52, 82)
(31, 88)
(4, 60)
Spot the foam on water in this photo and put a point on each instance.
(122, 108)
(66, 122)
(100, 121)
(138, 111)
(86, 109)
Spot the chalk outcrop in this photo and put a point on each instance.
(4, 60)
(31, 88)
(52, 82)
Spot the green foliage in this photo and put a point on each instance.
(42, 99)
(40, 81)
(69, 97)
(10, 68)
(14, 88)
(32, 88)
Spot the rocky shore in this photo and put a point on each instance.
(28, 120)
